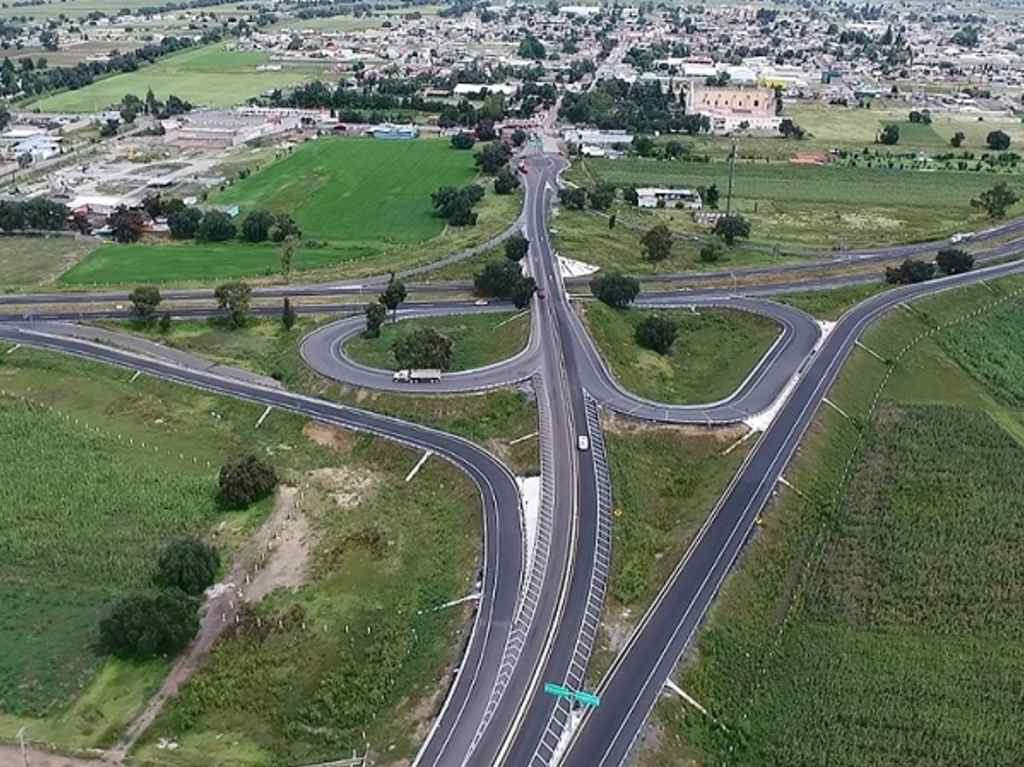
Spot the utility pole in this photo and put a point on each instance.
(732, 170)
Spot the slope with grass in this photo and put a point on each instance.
(713, 353)
(874, 619)
(210, 76)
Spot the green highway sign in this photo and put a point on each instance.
(588, 699)
(558, 690)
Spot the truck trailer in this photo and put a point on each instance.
(427, 375)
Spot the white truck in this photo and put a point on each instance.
(427, 375)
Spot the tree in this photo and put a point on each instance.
(284, 228)
(493, 157)
(890, 135)
(954, 261)
(126, 224)
(233, 297)
(109, 128)
(423, 348)
(657, 333)
(165, 323)
(574, 198)
(518, 137)
(732, 228)
(710, 252)
(522, 291)
(463, 140)
(997, 200)
(692, 124)
(674, 149)
(957, 140)
(456, 205)
(256, 225)
(394, 294)
(657, 242)
(216, 226)
(790, 129)
(145, 299)
(501, 279)
(643, 145)
(909, 272)
(288, 316)
(485, 130)
(611, 221)
(147, 625)
(185, 223)
(517, 247)
(188, 565)
(376, 313)
(506, 182)
(245, 480)
(709, 196)
(287, 253)
(127, 115)
(615, 289)
(629, 194)
(998, 141)
(532, 48)
(602, 196)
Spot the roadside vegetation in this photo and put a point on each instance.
(713, 351)
(877, 595)
(830, 304)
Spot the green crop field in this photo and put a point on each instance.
(363, 207)
(209, 76)
(357, 189)
(874, 619)
(478, 340)
(714, 352)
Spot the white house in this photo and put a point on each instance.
(667, 197)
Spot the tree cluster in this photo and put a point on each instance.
(36, 213)
(614, 289)
(504, 279)
(493, 157)
(423, 348)
(657, 332)
(456, 205)
(911, 271)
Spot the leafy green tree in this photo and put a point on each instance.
(644, 146)
(463, 140)
(674, 150)
(188, 565)
(485, 130)
(732, 228)
(493, 157)
(518, 137)
(909, 272)
(710, 252)
(394, 294)
(602, 196)
(506, 182)
(573, 198)
(284, 228)
(256, 226)
(126, 224)
(790, 129)
(997, 200)
(958, 139)
(629, 194)
(148, 625)
(245, 480)
(233, 297)
(517, 247)
(657, 242)
(376, 313)
(499, 279)
(657, 333)
(288, 315)
(145, 300)
(615, 289)
(185, 223)
(532, 48)
(216, 226)
(287, 254)
(165, 323)
(522, 291)
(611, 221)
(890, 135)
(954, 261)
(423, 348)
(998, 141)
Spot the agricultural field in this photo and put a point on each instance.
(713, 354)
(354, 567)
(77, 8)
(478, 340)
(830, 207)
(210, 76)
(38, 260)
(874, 620)
(363, 207)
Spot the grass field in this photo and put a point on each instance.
(209, 76)
(874, 620)
(363, 207)
(713, 353)
(371, 535)
(831, 206)
(38, 260)
(479, 340)
(831, 304)
(77, 8)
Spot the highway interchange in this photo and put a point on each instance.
(541, 600)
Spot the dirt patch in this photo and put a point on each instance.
(10, 756)
(617, 424)
(288, 543)
(346, 487)
(328, 436)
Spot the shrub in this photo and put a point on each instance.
(188, 565)
(146, 625)
(657, 333)
(245, 480)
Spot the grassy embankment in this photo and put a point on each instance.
(873, 620)
(79, 544)
(363, 207)
(714, 352)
